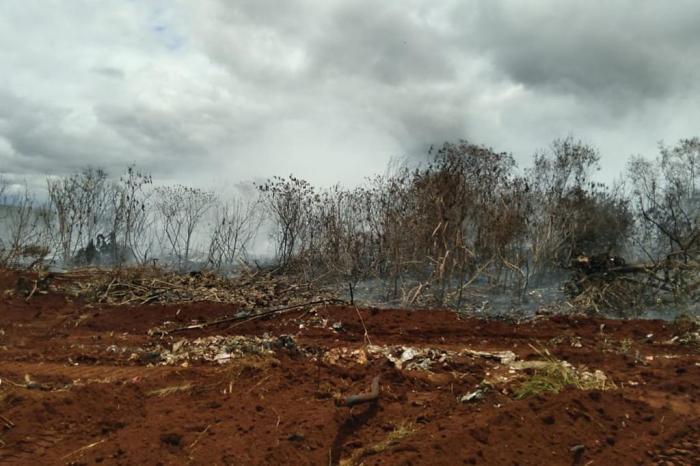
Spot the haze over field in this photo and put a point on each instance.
(218, 91)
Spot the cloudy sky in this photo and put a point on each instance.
(214, 91)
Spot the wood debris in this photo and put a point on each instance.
(138, 286)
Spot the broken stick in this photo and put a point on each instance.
(248, 317)
(370, 397)
(8, 424)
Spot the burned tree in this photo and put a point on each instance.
(79, 207)
(666, 196)
(21, 238)
(180, 210)
(131, 217)
(289, 201)
(572, 214)
(234, 227)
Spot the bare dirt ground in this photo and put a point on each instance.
(97, 385)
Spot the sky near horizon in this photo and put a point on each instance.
(211, 92)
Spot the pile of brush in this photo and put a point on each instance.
(622, 289)
(138, 286)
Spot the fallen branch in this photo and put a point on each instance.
(199, 436)
(36, 286)
(370, 397)
(362, 321)
(84, 449)
(248, 317)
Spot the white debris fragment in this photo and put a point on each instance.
(222, 349)
(504, 357)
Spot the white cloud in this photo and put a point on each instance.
(223, 91)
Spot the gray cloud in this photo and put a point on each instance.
(383, 44)
(218, 91)
(628, 50)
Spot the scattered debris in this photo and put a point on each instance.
(553, 375)
(249, 315)
(477, 394)
(136, 286)
(605, 283)
(504, 357)
(686, 330)
(31, 384)
(222, 349)
(338, 327)
(343, 355)
(411, 358)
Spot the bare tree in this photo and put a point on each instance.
(131, 217)
(181, 209)
(559, 179)
(20, 222)
(79, 206)
(290, 203)
(235, 225)
(666, 195)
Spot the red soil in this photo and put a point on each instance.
(86, 403)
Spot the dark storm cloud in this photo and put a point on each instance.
(626, 51)
(32, 138)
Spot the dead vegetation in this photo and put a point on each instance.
(554, 375)
(170, 390)
(144, 285)
(458, 230)
(686, 330)
(626, 289)
(400, 432)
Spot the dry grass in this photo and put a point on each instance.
(170, 390)
(685, 323)
(686, 330)
(400, 432)
(557, 375)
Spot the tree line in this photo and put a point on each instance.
(468, 215)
